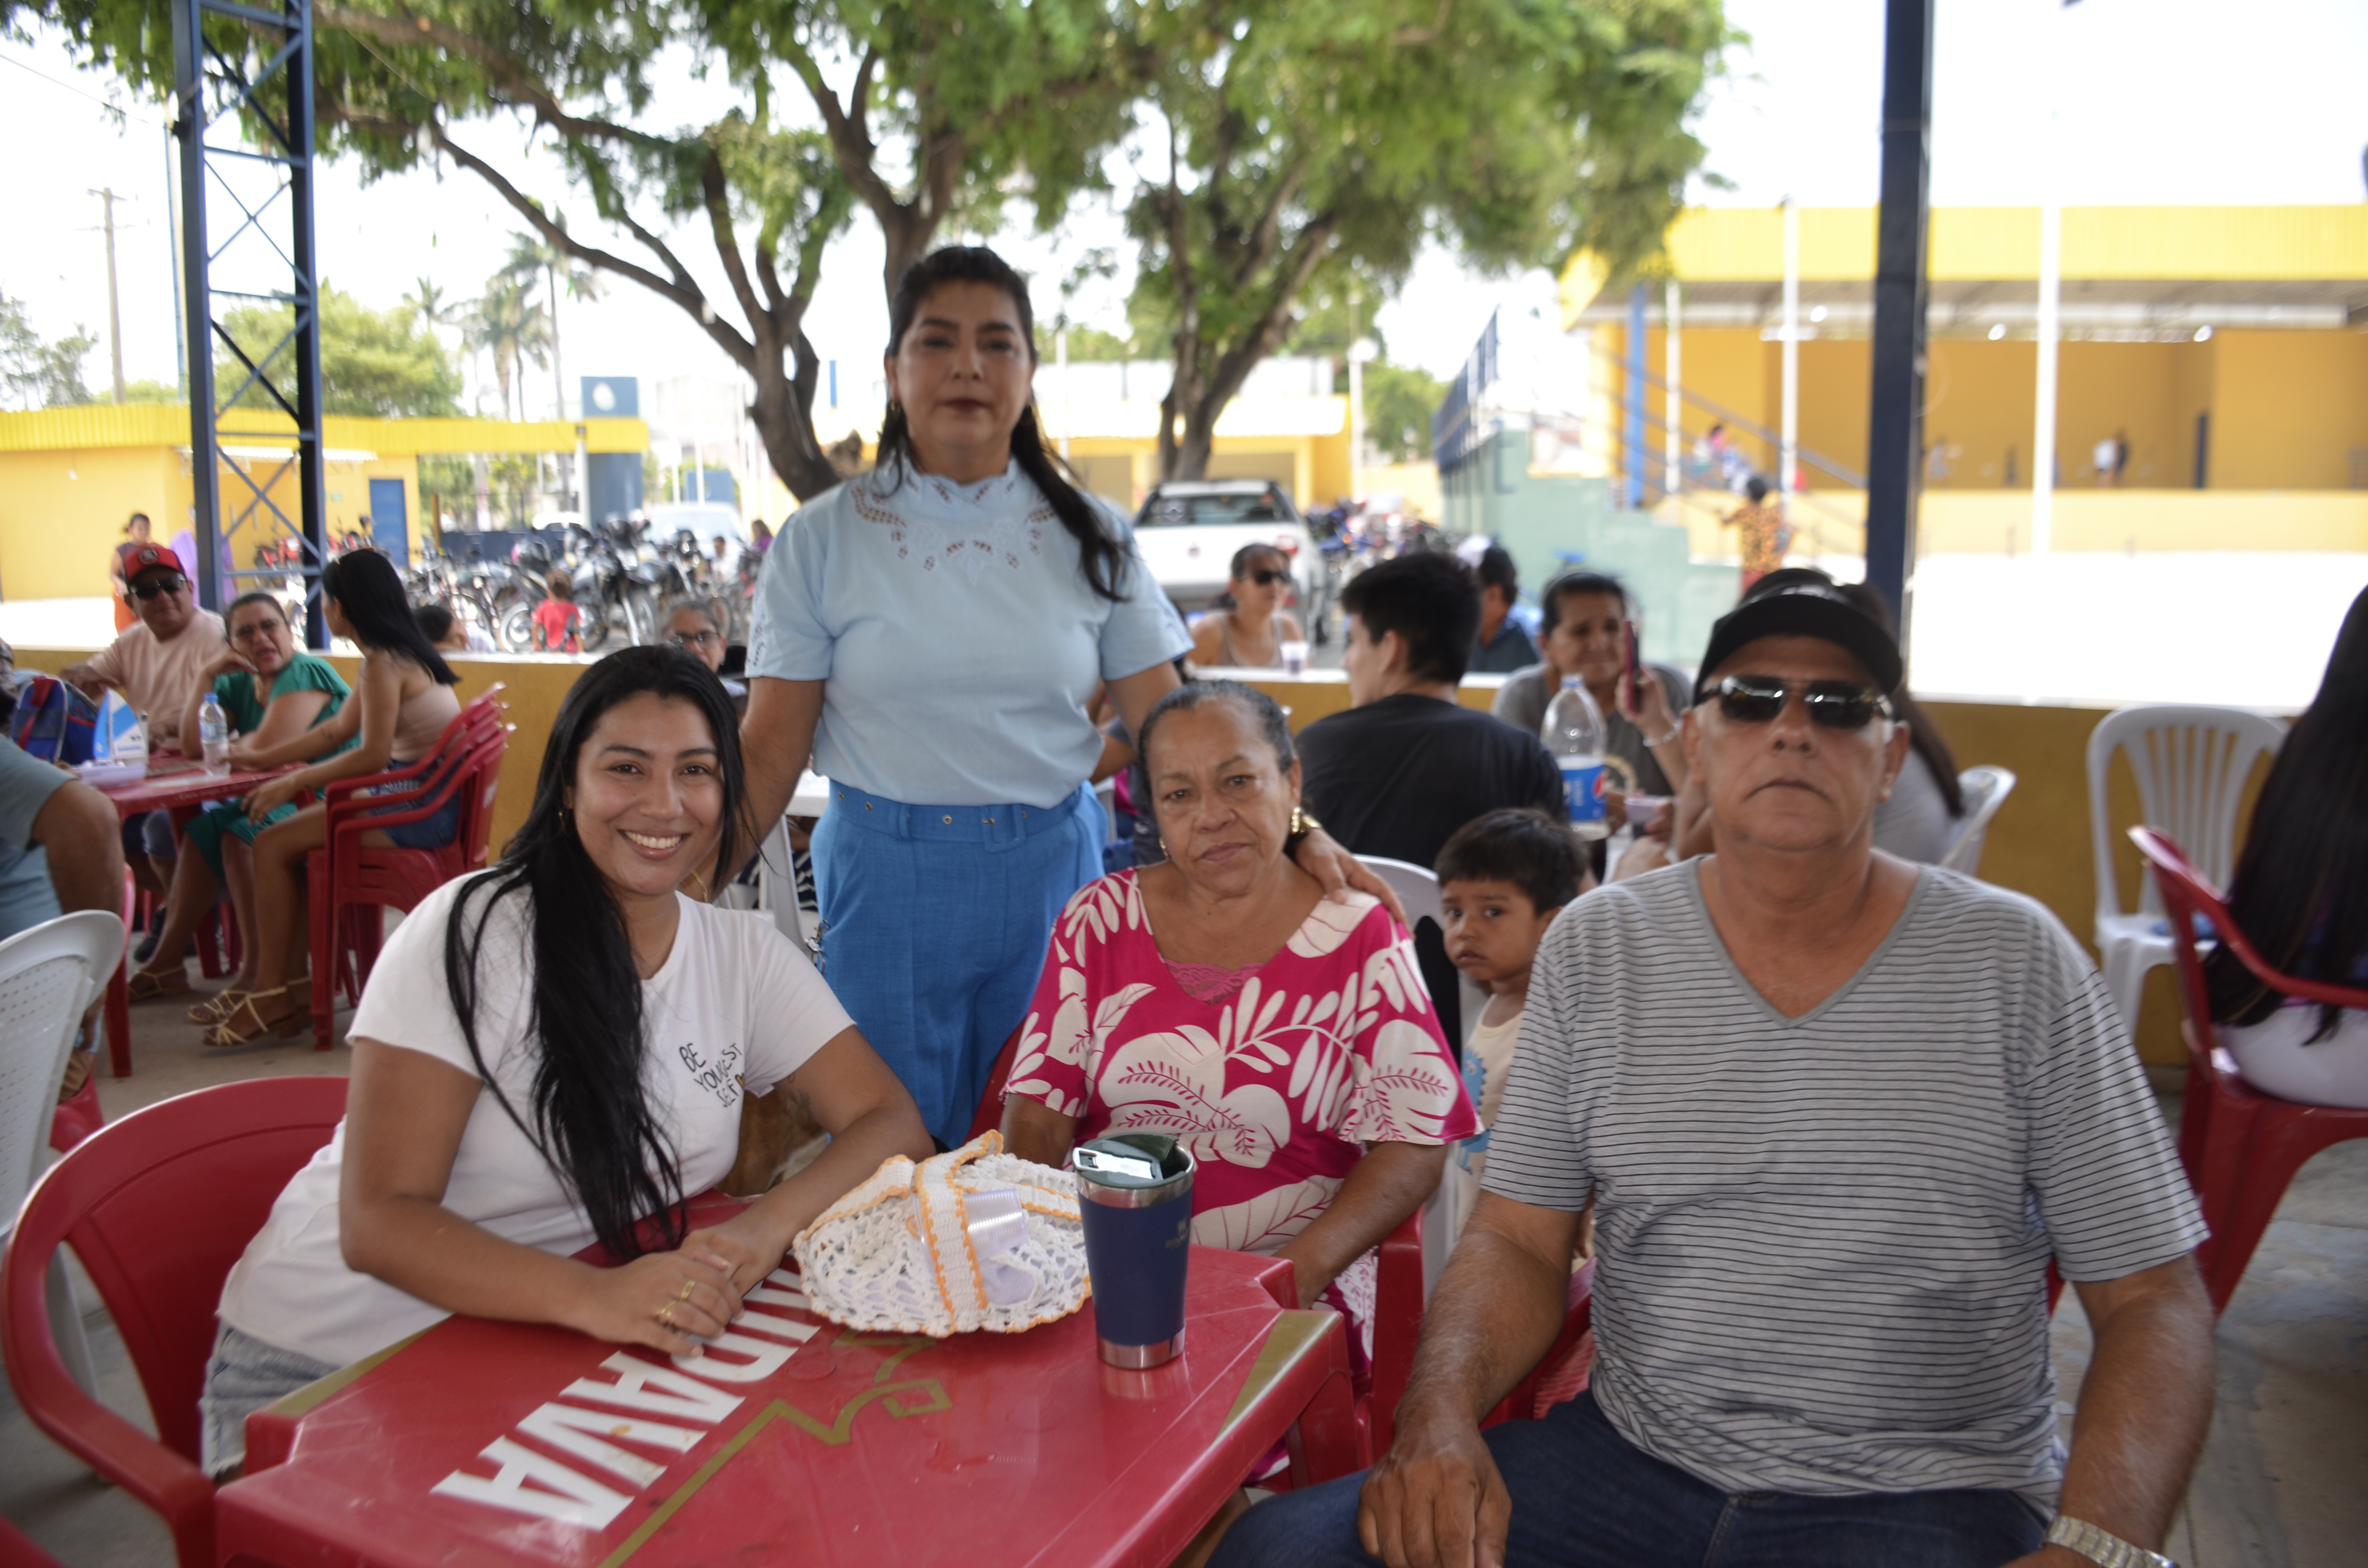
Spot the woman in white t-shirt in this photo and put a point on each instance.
(550, 1052)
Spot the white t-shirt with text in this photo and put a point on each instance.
(735, 1003)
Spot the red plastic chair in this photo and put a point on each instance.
(158, 1207)
(2241, 1146)
(350, 883)
(78, 1116)
(18, 1549)
(1397, 1289)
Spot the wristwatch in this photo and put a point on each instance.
(2102, 1546)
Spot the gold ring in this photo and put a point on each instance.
(665, 1314)
(688, 1287)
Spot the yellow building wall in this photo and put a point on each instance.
(2288, 408)
(2291, 407)
(62, 515)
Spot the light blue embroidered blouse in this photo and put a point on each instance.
(957, 635)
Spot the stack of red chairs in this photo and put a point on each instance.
(2241, 1146)
(352, 883)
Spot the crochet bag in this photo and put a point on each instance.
(975, 1239)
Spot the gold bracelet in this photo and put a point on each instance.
(1301, 825)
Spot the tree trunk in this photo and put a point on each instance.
(906, 233)
(783, 411)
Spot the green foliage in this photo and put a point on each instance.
(34, 374)
(507, 324)
(154, 392)
(1091, 343)
(373, 363)
(1399, 402)
(1313, 141)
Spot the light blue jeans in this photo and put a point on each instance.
(242, 1375)
(934, 922)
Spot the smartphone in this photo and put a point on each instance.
(1634, 673)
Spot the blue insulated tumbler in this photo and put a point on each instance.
(1134, 1197)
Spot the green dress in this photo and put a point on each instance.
(244, 708)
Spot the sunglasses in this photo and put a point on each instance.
(155, 585)
(693, 639)
(1266, 576)
(1832, 704)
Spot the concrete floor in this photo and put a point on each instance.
(2279, 1484)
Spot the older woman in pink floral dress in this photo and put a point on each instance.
(1282, 1037)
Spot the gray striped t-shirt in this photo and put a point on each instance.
(1824, 1240)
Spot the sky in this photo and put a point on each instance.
(2163, 101)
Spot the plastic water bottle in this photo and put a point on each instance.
(1574, 733)
(213, 736)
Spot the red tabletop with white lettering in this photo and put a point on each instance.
(793, 1440)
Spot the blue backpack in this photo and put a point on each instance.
(55, 721)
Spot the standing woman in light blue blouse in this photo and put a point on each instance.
(927, 637)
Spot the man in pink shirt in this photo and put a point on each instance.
(155, 664)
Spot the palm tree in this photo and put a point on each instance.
(428, 302)
(534, 260)
(513, 329)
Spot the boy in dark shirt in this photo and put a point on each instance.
(1407, 765)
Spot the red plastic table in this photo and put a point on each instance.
(179, 785)
(483, 1443)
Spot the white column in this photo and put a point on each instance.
(1788, 460)
(2042, 435)
(1357, 400)
(1672, 443)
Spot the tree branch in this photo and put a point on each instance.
(850, 140)
(680, 287)
(717, 199)
(526, 89)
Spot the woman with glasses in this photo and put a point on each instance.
(273, 694)
(690, 625)
(404, 701)
(1250, 633)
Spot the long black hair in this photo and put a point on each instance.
(1097, 549)
(591, 1115)
(369, 591)
(2300, 892)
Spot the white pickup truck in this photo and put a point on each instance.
(1188, 530)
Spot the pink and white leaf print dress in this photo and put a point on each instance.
(1327, 1046)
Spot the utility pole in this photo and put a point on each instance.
(114, 308)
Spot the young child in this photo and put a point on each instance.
(555, 618)
(1502, 879)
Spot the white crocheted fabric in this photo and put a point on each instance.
(897, 1254)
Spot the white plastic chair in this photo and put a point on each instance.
(49, 977)
(1417, 890)
(1986, 789)
(2190, 764)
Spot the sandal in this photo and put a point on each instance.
(245, 1024)
(152, 985)
(218, 1007)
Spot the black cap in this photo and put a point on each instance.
(1804, 608)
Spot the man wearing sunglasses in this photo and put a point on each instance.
(155, 664)
(1837, 1114)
